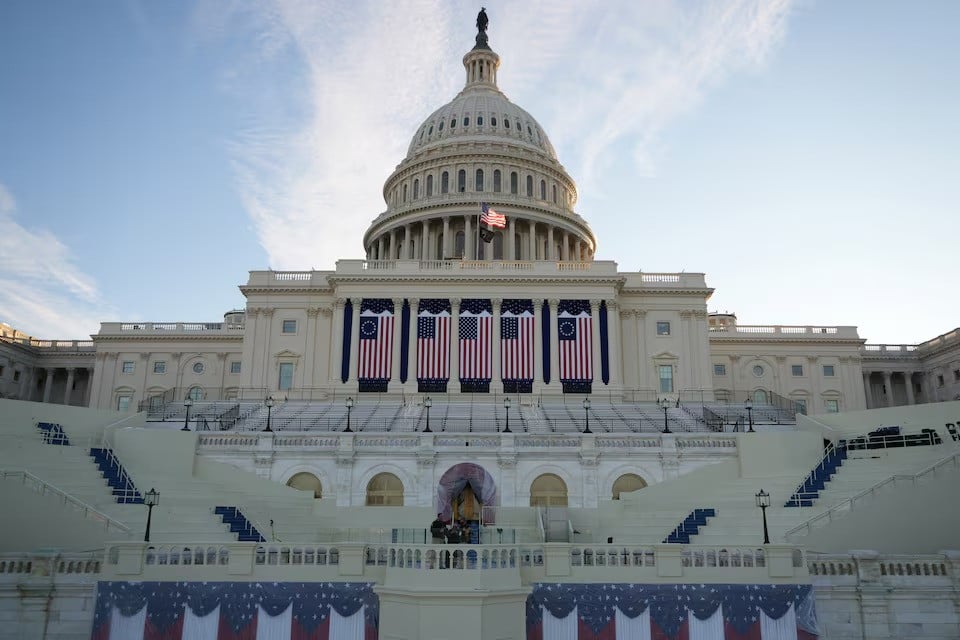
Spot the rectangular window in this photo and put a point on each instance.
(719, 369)
(16, 376)
(127, 366)
(666, 378)
(796, 369)
(956, 374)
(159, 366)
(663, 328)
(828, 370)
(234, 367)
(123, 403)
(289, 326)
(801, 405)
(833, 406)
(939, 381)
(1, 370)
(286, 376)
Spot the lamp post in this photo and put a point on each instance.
(349, 403)
(427, 402)
(749, 406)
(269, 403)
(186, 421)
(586, 415)
(506, 407)
(763, 501)
(151, 499)
(665, 405)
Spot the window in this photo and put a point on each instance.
(416, 188)
(626, 483)
(1, 370)
(796, 370)
(289, 326)
(478, 182)
(758, 370)
(493, 121)
(479, 121)
(453, 123)
(719, 369)
(123, 403)
(543, 190)
(444, 182)
(385, 490)
(666, 378)
(828, 370)
(939, 380)
(529, 186)
(514, 182)
(429, 185)
(956, 374)
(833, 406)
(156, 403)
(404, 193)
(198, 368)
(285, 381)
(235, 367)
(304, 481)
(554, 194)
(461, 181)
(16, 376)
(801, 405)
(496, 180)
(466, 121)
(458, 244)
(159, 366)
(663, 328)
(548, 490)
(127, 366)
(195, 393)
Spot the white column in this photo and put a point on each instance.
(395, 355)
(454, 344)
(643, 362)
(447, 253)
(887, 383)
(908, 381)
(47, 384)
(469, 244)
(549, 255)
(614, 342)
(394, 254)
(533, 239)
(412, 345)
(565, 247)
(336, 341)
(537, 341)
(815, 373)
(595, 339)
(355, 339)
(577, 251)
(867, 391)
(380, 255)
(70, 374)
(424, 241)
(509, 248)
(407, 244)
(496, 382)
(310, 356)
(554, 343)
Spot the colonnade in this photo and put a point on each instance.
(523, 239)
(885, 396)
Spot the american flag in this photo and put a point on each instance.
(234, 610)
(575, 337)
(491, 217)
(516, 340)
(476, 331)
(433, 340)
(376, 339)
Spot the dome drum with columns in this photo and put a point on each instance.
(480, 147)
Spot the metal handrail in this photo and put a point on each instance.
(45, 487)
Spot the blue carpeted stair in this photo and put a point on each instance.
(690, 526)
(811, 487)
(116, 476)
(239, 524)
(53, 433)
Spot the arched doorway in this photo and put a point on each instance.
(306, 482)
(548, 490)
(385, 490)
(626, 483)
(463, 491)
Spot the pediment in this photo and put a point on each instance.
(666, 355)
(286, 354)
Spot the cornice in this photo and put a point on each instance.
(600, 280)
(169, 336)
(280, 289)
(785, 339)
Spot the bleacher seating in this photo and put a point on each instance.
(53, 434)
(690, 526)
(809, 490)
(116, 476)
(238, 524)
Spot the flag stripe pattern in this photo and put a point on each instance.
(575, 338)
(433, 340)
(476, 338)
(376, 339)
(516, 340)
(491, 217)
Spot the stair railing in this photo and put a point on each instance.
(114, 460)
(45, 488)
(849, 503)
(799, 492)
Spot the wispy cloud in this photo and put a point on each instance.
(42, 292)
(595, 73)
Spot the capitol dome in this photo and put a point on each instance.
(480, 148)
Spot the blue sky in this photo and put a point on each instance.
(801, 153)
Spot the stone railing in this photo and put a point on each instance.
(784, 332)
(481, 268)
(864, 567)
(51, 345)
(49, 564)
(889, 351)
(167, 328)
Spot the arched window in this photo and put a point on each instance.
(416, 188)
(554, 194)
(478, 183)
(479, 121)
(496, 180)
(498, 246)
(458, 244)
(548, 490)
(195, 393)
(306, 482)
(461, 181)
(626, 483)
(444, 182)
(514, 183)
(543, 190)
(529, 187)
(385, 490)
(493, 121)
(440, 126)
(404, 193)
(466, 121)
(430, 186)
(519, 128)
(760, 397)
(453, 123)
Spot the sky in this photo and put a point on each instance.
(801, 153)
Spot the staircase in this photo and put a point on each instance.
(116, 476)
(239, 524)
(690, 526)
(809, 490)
(53, 434)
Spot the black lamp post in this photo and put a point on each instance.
(506, 407)
(666, 425)
(151, 499)
(586, 415)
(749, 406)
(427, 402)
(186, 421)
(269, 403)
(763, 501)
(349, 403)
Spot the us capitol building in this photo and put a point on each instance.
(598, 449)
